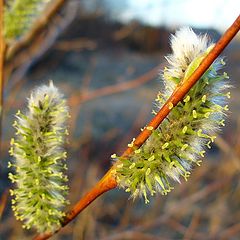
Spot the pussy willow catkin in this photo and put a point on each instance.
(19, 16)
(180, 141)
(39, 196)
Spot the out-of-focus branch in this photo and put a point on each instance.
(109, 182)
(75, 100)
(2, 46)
(2, 57)
(3, 202)
(76, 45)
(49, 13)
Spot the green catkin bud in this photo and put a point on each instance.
(39, 196)
(191, 125)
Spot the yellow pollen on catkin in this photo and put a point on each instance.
(222, 122)
(199, 132)
(208, 144)
(184, 130)
(137, 151)
(150, 128)
(151, 158)
(119, 165)
(226, 108)
(184, 147)
(194, 112)
(130, 145)
(199, 162)
(132, 165)
(148, 171)
(14, 124)
(225, 75)
(222, 62)
(12, 141)
(206, 115)
(154, 112)
(170, 105)
(213, 138)
(201, 153)
(187, 99)
(165, 145)
(204, 97)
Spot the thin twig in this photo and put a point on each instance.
(87, 95)
(189, 233)
(130, 234)
(2, 57)
(76, 45)
(109, 182)
(230, 232)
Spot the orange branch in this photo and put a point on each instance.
(2, 57)
(109, 182)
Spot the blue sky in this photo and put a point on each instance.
(198, 13)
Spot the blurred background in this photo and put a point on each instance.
(106, 56)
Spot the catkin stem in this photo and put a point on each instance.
(109, 182)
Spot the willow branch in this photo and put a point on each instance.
(109, 182)
(2, 57)
(49, 13)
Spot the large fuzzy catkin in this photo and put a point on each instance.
(39, 196)
(180, 141)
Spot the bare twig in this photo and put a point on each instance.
(76, 45)
(230, 232)
(189, 233)
(133, 235)
(3, 202)
(109, 182)
(75, 100)
(1, 53)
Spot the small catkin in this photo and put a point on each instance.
(39, 196)
(179, 142)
